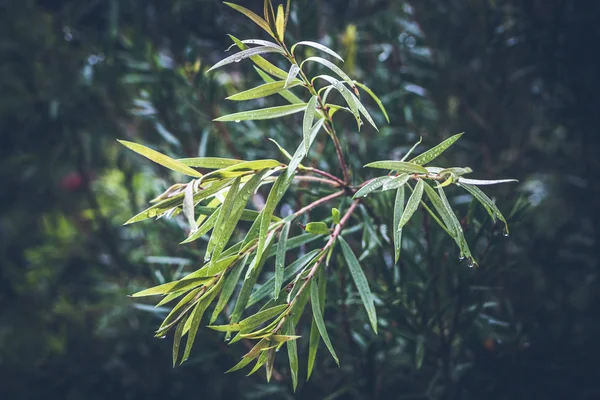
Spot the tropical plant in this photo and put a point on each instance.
(216, 201)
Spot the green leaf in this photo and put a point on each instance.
(264, 113)
(480, 182)
(188, 206)
(280, 22)
(396, 182)
(309, 116)
(372, 185)
(292, 349)
(487, 203)
(363, 111)
(361, 282)
(314, 330)
(420, 351)
(209, 162)
(228, 288)
(398, 211)
(317, 228)
(218, 241)
(197, 315)
(252, 321)
(460, 239)
(208, 224)
(291, 271)
(277, 191)
(176, 286)
(318, 318)
(412, 149)
(177, 341)
(337, 70)
(160, 208)
(280, 259)
(374, 97)
(412, 204)
(255, 18)
(399, 166)
(433, 153)
(450, 220)
(252, 273)
(286, 94)
(282, 150)
(251, 355)
(317, 46)
(300, 152)
(260, 62)
(161, 159)
(265, 90)
(335, 214)
(294, 69)
(350, 99)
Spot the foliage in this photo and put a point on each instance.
(222, 194)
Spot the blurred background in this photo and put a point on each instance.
(520, 77)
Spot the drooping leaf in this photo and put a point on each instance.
(360, 280)
(450, 221)
(307, 124)
(460, 238)
(363, 110)
(398, 211)
(280, 259)
(161, 159)
(317, 228)
(399, 166)
(264, 113)
(197, 315)
(317, 46)
(314, 330)
(435, 152)
(487, 203)
(261, 42)
(265, 90)
(374, 97)
(188, 206)
(228, 288)
(217, 239)
(413, 204)
(337, 70)
(208, 224)
(255, 18)
(292, 349)
(300, 152)
(409, 152)
(277, 191)
(291, 271)
(239, 56)
(177, 341)
(318, 318)
(176, 286)
(371, 186)
(260, 62)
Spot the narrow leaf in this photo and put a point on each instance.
(479, 182)
(265, 90)
(412, 204)
(252, 321)
(264, 113)
(309, 116)
(372, 185)
(292, 349)
(332, 67)
(263, 64)
(280, 259)
(399, 166)
(208, 224)
(161, 159)
(300, 152)
(188, 206)
(217, 239)
(433, 153)
(255, 18)
(280, 22)
(317, 46)
(487, 203)
(286, 94)
(398, 211)
(209, 162)
(177, 342)
(275, 195)
(335, 214)
(409, 152)
(318, 318)
(228, 288)
(374, 97)
(360, 280)
(396, 182)
(239, 56)
(294, 69)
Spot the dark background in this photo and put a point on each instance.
(520, 77)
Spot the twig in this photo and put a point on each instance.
(318, 203)
(316, 179)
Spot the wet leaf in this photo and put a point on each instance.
(265, 90)
(435, 152)
(161, 159)
(399, 166)
(307, 124)
(398, 211)
(317, 46)
(318, 317)
(255, 18)
(264, 113)
(371, 186)
(280, 260)
(252, 321)
(209, 162)
(239, 56)
(317, 228)
(374, 97)
(413, 204)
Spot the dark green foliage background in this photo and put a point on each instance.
(520, 77)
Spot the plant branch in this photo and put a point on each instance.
(316, 179)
